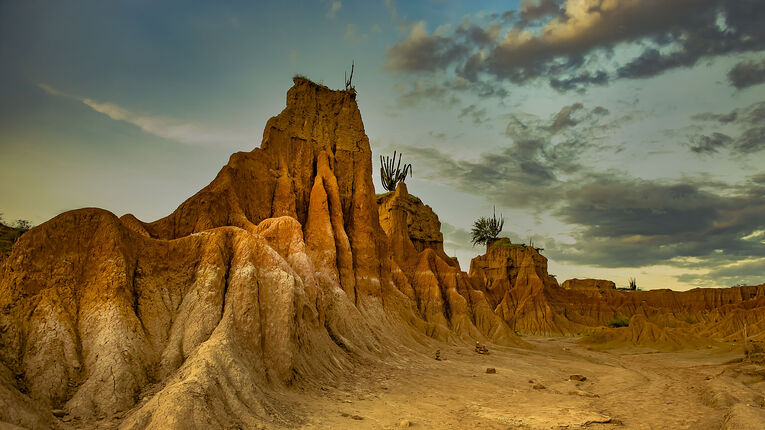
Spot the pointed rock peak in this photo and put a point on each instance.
(401, 190)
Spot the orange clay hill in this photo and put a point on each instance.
(285, 273)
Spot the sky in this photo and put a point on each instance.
(625, 137)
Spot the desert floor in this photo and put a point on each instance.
(532, 389)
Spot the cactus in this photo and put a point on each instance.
(391, 173)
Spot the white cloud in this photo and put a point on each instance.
(166, 128)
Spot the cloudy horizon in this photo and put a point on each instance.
(624, 137)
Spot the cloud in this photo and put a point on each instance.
(535, 9)
(423, 52)
(747, 73)
(167, 128)
(529, 172)
(573, 44)
(750, 131)
(747, 272)
(476, 114)
(612, 219)
(423, 92)
(629, 222)
(701, 144)
(579, 82)
(334, 7)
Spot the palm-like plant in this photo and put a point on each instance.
(391, 173)
(486, 229)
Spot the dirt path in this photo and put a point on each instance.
(530, 390)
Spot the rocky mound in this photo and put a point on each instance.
(446, 297)
(643, 333)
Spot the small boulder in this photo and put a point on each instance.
(538, 386)
(491, 370)
(404, 423)
(577, 378)
(58, 412)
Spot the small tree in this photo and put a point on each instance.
(486, 229)
(391, 173)
(633, 284)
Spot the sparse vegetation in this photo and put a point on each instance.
(349, 80)
(486, 229)
(23, 225)
(301, 77)
(391, 172)
(10, 234)
(619, 322)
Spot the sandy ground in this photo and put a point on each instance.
(531, 389)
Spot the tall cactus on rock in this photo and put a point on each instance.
(391, 172)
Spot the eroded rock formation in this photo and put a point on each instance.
(285, 270)
(277, 273)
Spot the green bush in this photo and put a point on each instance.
(619, 322)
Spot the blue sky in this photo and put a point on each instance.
(625, 137)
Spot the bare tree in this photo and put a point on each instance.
(349, 79)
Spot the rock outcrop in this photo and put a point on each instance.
(276, 274)
(516, 283)
(445, 296)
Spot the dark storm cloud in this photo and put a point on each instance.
(579, 82)
(565, 42)
(616, 220)
(749, 137)
(535, 9)
(747, 73)
(631, 222)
